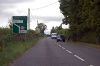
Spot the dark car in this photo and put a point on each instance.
(60, 38)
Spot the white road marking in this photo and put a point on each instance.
(72, 53)
(79, 58)
(60, 46)
(69, 51)
(63, 48)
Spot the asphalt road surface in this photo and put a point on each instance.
(48, 52)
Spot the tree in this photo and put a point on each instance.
(10, 24)
(53, 30)
(57, 29)
(83, 16)
(41, 27)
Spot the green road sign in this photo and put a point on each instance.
(19, 24)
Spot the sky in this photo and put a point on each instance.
(45, 11)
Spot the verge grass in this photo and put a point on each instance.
(15, 49)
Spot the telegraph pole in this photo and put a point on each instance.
(28, 27)
(37, 22)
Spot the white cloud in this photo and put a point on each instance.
(12, 1)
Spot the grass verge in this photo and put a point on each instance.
(86, 44)
(92, 45)
(13, 50)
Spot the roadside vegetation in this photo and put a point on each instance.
(12, 45)
(83, 17)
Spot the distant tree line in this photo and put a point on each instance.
(83, 16)
(59, 30)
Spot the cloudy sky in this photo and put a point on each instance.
(45, 11)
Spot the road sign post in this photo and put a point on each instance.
(19, 24)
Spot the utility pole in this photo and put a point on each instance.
(28, 27)
(37, 22)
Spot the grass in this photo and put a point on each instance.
(89, 37)
(87, 44)
(13, 50)
(93, 45)
(89, 40)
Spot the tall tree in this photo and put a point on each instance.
(41, 27)
(83, 16)
(53, 30)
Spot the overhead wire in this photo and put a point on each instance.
(45, 6)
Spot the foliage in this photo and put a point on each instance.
(53, 30)
(11, 44)
(6, 36)
(14, 49)
(83, 16)
(10, 24)
(41, 28)
(59, 30)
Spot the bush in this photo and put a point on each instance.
(6, 36)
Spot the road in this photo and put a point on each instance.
(48, 52)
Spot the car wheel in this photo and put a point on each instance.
(57, 41)
(63, 40)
